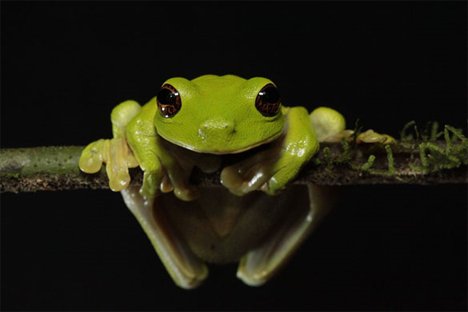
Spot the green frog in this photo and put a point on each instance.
(241, 127)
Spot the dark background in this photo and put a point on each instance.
(65, 65)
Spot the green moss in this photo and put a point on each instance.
(367, 165)
(435, 158)
(326, 155)
(432, 157)
(434, 129)
(391, 164)
(357, 130)
(316, 162)
(403, 135)
(346, 150)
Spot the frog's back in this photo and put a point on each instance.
(218, 82)
(223, 79)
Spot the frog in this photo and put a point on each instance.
(240, 128)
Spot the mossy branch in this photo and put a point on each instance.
(405, 162)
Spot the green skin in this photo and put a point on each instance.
(217, 116)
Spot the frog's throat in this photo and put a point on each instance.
(223, 151)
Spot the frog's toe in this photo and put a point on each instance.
(268, 177)
(151, 184)
(181, 186)
(273, 187)
(370, 136)
(186, 194)
(241, 182)
(337, 137)
(280, 179)
(156, 182)
(119, 178)
(91, 157)
(115, 156)
(178, 180)
(132, 162)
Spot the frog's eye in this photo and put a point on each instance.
(268, 101)
(169, 101)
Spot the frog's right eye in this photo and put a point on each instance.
(169, 102)
(268, 101)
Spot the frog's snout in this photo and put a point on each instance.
(216, 130)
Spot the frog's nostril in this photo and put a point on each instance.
(213, 126)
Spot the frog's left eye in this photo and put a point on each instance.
(268, 101)
(169, 102)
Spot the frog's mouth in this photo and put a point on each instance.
(220, 148)
(227, 158)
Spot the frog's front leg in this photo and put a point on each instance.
(162, 171)
(272, 169)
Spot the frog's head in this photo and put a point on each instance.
(219, 114)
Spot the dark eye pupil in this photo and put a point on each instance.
(166, 97)
(270, 95)
(268, 101)
(168, 100)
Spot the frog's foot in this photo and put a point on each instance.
(251, 174)
(330, 126)
(115, 153)
(168, 179)
(117, 156)
(368, 136)
(187, 270)
(169, 171)
(268, 171)
(307, 210)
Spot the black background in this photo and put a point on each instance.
(65, 65)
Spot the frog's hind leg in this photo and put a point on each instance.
(309, 204)
(184, 267)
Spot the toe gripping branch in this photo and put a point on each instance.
(115, 152)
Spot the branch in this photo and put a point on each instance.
(56, 168)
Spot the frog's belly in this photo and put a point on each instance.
(220, 227)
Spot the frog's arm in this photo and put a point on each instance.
(298, 146)
(272, 169)
(142, 138)
(161, 170)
